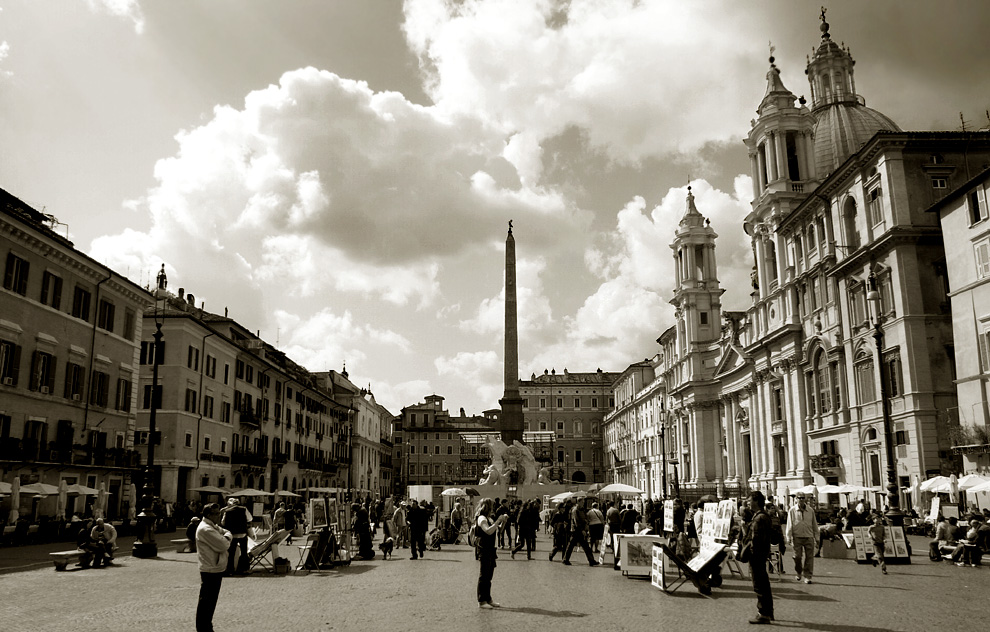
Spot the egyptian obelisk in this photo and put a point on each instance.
(511, 421)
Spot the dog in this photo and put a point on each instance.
(386, 547)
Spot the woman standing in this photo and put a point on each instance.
(560, 525)
(485, 532)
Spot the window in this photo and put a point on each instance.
(857, 303)
(560, 402)
(192, 358)
(412, 449)
(42, 372)
(104, 317)
(849, 222)
(123, 401)
(594, 402)
(703, 317)
(249, 373)
(208, 407)
(901, 438)
(148, 355)
(188, 439)
(226, 373)
(99, 389)
(543, 425)
(874, 206)
(206, 443)
(10, 362)
(225, 412)
(560, 456)
(777, 398)
(211, 366)
(16, 275)
(51, 290)
(436, 449)
(892, 371)
(73, 381)
(426, 449)
(239, 369)
(223, 446)
(977, 206)
(543, 402)
(812, 401)
(865, 380)
(577, 402)
(191, 401)
(982, 258)
(939, 183)
(577, 456)
(450, 449)
(824, 385)
(80, 303)
(578, 428)
(146, 401)
(560, 429)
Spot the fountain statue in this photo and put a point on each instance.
(511, 465)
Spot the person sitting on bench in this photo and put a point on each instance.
(106, 535)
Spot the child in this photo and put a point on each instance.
(878, 534)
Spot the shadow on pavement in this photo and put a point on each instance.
(560, 614)
(828, 627)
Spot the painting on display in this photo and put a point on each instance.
(636, 552)
(316, 513)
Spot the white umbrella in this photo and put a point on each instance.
(288, 494)
(971, 480)
(934, 482)
(63, 489)
(953, 489)
(807, 489)
(82, 490)
(43, 489)
(15, 500)
(985, 487)
(561, 496)
(454, 491)
(829, 489)
(620, 488)
(250, 492)
(915, 492)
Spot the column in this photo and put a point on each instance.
(755, 431)
(760, 265)
(795, 413)
(761, 158)
(802, 155)
(801, 429)
(809, 147)
(781, 142)
(772, 156)
(731, 429)
(754, 165)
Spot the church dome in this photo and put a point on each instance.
(842, 128)
(843, 123)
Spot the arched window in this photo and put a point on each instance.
(871, 434)
(237, 480)
(285, 483)
(849, 223)
(823, 382)
(261, 483)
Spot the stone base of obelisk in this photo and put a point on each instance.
(511, 420)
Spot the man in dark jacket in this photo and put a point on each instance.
(759, 536)
(579, 528)
(417, 518)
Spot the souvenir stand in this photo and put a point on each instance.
(668, 571)
(328, 541)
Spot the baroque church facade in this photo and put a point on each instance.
(787, 391)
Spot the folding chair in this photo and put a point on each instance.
(304, 549)
(775, 563)
(731, 563)
(258, 553)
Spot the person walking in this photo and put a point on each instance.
(399, 520)
(878, 533)
(361, 530)
(485, 531)
(759, 539)
(212, 545)
(418, 520)
(559, 525)
(802, 534)
(596, 527)
(528, 523)
(456, 520)
(579, 528)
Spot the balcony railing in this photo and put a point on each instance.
(823, 462)
(216, 458)
(248, 418)
(32, 451)
(246, 457)
(310, 465)
(280, 458)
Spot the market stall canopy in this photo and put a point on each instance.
(81, 490)
(210, 489)
(43, 489)
(620, 488)
(288, 494)
(250, 492)
(807, 489)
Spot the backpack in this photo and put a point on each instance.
(776, 533)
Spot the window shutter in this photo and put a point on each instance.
(35, 371)
(983, 259)
(15, 365)
(52, 368)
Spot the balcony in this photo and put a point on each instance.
(280, 458)
(32, 451)
(246, 457)
(310, 465)
(216, 458)
(825, 462)
(329, 468)
(248, 418)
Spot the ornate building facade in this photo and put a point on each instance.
(787, 392)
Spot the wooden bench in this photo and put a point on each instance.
(183, 545)
(63, 558)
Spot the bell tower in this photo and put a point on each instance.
(697, 294)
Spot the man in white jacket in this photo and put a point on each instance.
(212, 542)
(802, 535)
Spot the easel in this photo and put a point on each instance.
(698, 571)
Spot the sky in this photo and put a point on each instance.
(339, 175)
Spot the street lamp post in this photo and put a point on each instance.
(894, 515)
(145, 546)
(663, 465)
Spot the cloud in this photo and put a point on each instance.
(321, 182)
(4, 53)
(634, 75)
(479, 370)
(533, 310)
(129, 9)
(619, 322)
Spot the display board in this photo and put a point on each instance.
(316, 514)
(895, 544)
(668, 516)
(933, 514)
(636, 553)
(664, 573)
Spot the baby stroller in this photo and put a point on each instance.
(436, 539)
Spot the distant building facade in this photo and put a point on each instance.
(572, 406)
(69, 334)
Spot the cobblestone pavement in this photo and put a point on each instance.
(439, 593)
